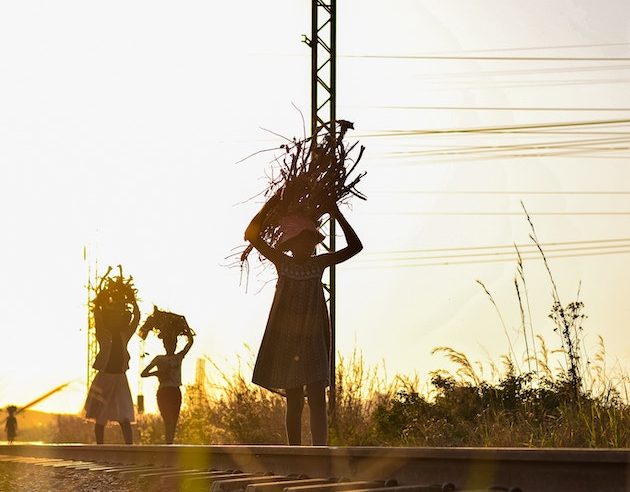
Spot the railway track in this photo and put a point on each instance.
(330, 469)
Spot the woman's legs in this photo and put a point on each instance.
(99, 433)
(126, 431)
(295, 404)
(170, 423)
(169, 402)
(316, 393)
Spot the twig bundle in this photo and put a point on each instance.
(114, 292)
(165, 325)
(313, 174)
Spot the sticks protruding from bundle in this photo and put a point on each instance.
(114, 292)
(165, 325)
(313, 173)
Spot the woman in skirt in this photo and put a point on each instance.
(109, 397)
(293, 359)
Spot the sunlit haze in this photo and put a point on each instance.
(122, 125)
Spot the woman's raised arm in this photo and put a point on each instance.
(252, 234)
(353, 243)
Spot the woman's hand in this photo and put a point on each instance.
(354, 244)
(331, 208)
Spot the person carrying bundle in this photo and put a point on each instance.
(293, 359)
(168, 367)
(116, 317)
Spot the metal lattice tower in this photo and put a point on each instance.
(92, 344)
(323, 44)
(141, 356)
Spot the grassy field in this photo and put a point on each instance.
(458, 408)
(553, 398)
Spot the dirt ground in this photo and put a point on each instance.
(31, 478)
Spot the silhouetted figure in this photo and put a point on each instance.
(10, 426)
(168, 369)
(109, 397)
(295, 350)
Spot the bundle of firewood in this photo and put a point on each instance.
(312, 174)
(165, 325)
(114, 292)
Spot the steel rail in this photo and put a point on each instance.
(539, 470)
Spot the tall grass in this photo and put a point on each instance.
(456, 408)
(578, 403)
(532, 402)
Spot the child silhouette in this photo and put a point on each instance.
(10, 425)
(294, 352)
(168, 370)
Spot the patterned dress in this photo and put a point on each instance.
(109, 396)
(295, 348)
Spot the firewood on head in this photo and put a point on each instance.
(312, 174)
(114, 293)
(165, 325)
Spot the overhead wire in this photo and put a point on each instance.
(493, 260)
(508, 84)
(464, 255)
(502, 192)
(577, 144)
(502, 108)
(555, 148)
(499, 214)
(542, 48)
(501, 246)
(490, 58)
(496, 129)
(528, 250)
(605, 142)
(521, 71)
(590, 154)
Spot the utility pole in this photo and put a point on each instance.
(92, 344)
(323, 44)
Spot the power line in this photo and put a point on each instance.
(584, 153)
(495, 192)
(554, 47)
(502, 246)
(509, 84)
(531, 249)
(500, 108)
(522, 71)
(535, 48)
(577, 144)
(569, 132)
(609, 213)
(507, 158)
(476, 72)
(497, 129)
(493, 260)
(492, 58)
(458, 55)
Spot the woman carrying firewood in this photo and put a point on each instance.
(116, 316)
(294, 354)
(293, 359)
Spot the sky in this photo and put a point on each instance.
(122, 125)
